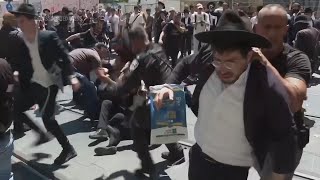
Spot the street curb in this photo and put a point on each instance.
(45, 172)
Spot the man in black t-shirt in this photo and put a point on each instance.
(88, 38)
(292, 68)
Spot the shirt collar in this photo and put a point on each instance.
(35, 39)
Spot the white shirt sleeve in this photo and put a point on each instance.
(193, 18)
(207, 19)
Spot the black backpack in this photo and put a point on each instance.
(195, 17)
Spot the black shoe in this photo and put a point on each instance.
(65, 155)
(141, 173)
(173, 159)
(102, 151)
(44, 138)
(114, 135)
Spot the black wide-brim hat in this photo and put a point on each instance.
(25, 9)
(230, 30)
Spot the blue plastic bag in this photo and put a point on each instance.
(168, 124)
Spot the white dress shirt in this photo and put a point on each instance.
(220, 130)
(40, 74)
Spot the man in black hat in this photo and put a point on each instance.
(238, 100)
(43, 67)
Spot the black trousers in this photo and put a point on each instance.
(205, 168)
(140, 130)
(186, 44)
(111, 36)
(173, 54)
(46, 99)
(149, 35)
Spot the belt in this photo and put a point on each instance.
(205, 156)
(209, 159)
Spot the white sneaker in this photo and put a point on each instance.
(99, 134)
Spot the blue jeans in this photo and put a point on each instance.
(6, 151)
(87, 97)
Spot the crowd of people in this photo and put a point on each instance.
(251, 74)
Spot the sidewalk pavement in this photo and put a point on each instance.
(87, 166)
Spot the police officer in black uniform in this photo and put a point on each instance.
(151, 66)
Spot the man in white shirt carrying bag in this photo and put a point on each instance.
(201, 23)
(242, 108)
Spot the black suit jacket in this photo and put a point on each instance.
(52, 53)
(269, 124)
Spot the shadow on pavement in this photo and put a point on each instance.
(123, 173)
(126, 175)
(40, 156)
(21, 172)
(45, 169)
(76, 126)
(58, 110)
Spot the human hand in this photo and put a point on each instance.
(75, 84)
(163, 94)
(258, 55)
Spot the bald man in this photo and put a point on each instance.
(292, 68)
